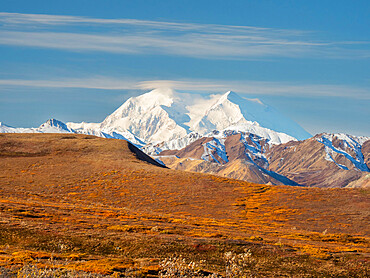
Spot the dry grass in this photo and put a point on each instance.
(93, 206)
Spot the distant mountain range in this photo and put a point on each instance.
(230, 136)
(325, 160)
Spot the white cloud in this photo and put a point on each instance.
(84, 83)
(133, 36)
(261, 88)
(32, 20)
(209, 86)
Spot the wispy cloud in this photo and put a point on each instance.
(132, 36)
(83, 83)
(261, 88)
(198, 85)
(33, 20)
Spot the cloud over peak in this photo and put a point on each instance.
(198, 85)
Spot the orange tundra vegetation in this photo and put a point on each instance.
(83, 203)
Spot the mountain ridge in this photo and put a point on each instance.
(310, 162)
(218, 129)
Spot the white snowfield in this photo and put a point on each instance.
(175, 144)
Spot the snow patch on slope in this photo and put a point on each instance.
(213, 147)
(175, 144)
(347, 143)
(272, 136)
(329, 157)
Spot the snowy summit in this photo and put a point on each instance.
(164, 115)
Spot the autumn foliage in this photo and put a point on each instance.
(91, 205)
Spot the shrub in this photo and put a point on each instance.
(32, 271)
(238, 265)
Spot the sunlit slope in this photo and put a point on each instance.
(102, 189)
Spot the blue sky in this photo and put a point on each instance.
(80, 60)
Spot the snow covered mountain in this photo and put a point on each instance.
(162, 115)
(325, 160)
(50, 126)
(154, 116)
(54, 126)
(231, 110)
(6, 129)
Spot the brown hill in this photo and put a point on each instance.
(241, 169)
(306, 163)
(91, 204)
(366, 152)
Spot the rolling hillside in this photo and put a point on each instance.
(100, 205)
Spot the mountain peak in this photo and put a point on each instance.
(229, 95)
(163, 91)
(231, 109)
(234, 97)
(53, 123)
(237, 99)
(159, 95)
(156, 97)
(164, 114)
(4, 125)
